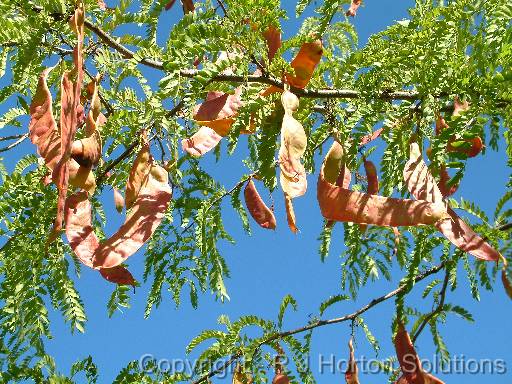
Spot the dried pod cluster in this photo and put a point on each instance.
(72, 161)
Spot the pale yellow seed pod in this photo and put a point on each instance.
(290, 101)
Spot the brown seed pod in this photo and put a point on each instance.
(259, 211)
(340, 204)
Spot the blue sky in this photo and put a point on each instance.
(270, 265)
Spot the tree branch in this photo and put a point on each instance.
(117, 160)
(190, 73)
(436, 311)
(16, 143)
(5, 138)
(322, 323)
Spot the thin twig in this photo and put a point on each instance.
(116, 161)
(436, 311)
(125, 52)
(16, 143)
(5, 138)
(221, 4)
(322, 323)
(219, 198)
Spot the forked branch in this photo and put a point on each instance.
(322, 323)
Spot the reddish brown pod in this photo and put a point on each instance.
(145, 215)
(272, 36)
(290, 214)
(83, 240)
(351, 374)
(418, 179)
(422, 186)
(187, 5)
(304, 65)
(201, 142)
(469, 147)
(371, 177)
(354, 6)
(410, 364)
(343, 180)
(340, 204)
(219, 110)
(280, 378)
(259, 211)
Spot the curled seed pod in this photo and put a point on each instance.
(463, 237)
(83, 240)
(272, 36)
(293, 145)
(219, 110)
(304, 65)
(145, 215)
(138, 176)
(372, 183)
(420, 185)
(257, 207)
(343, 181)
(118, 275)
